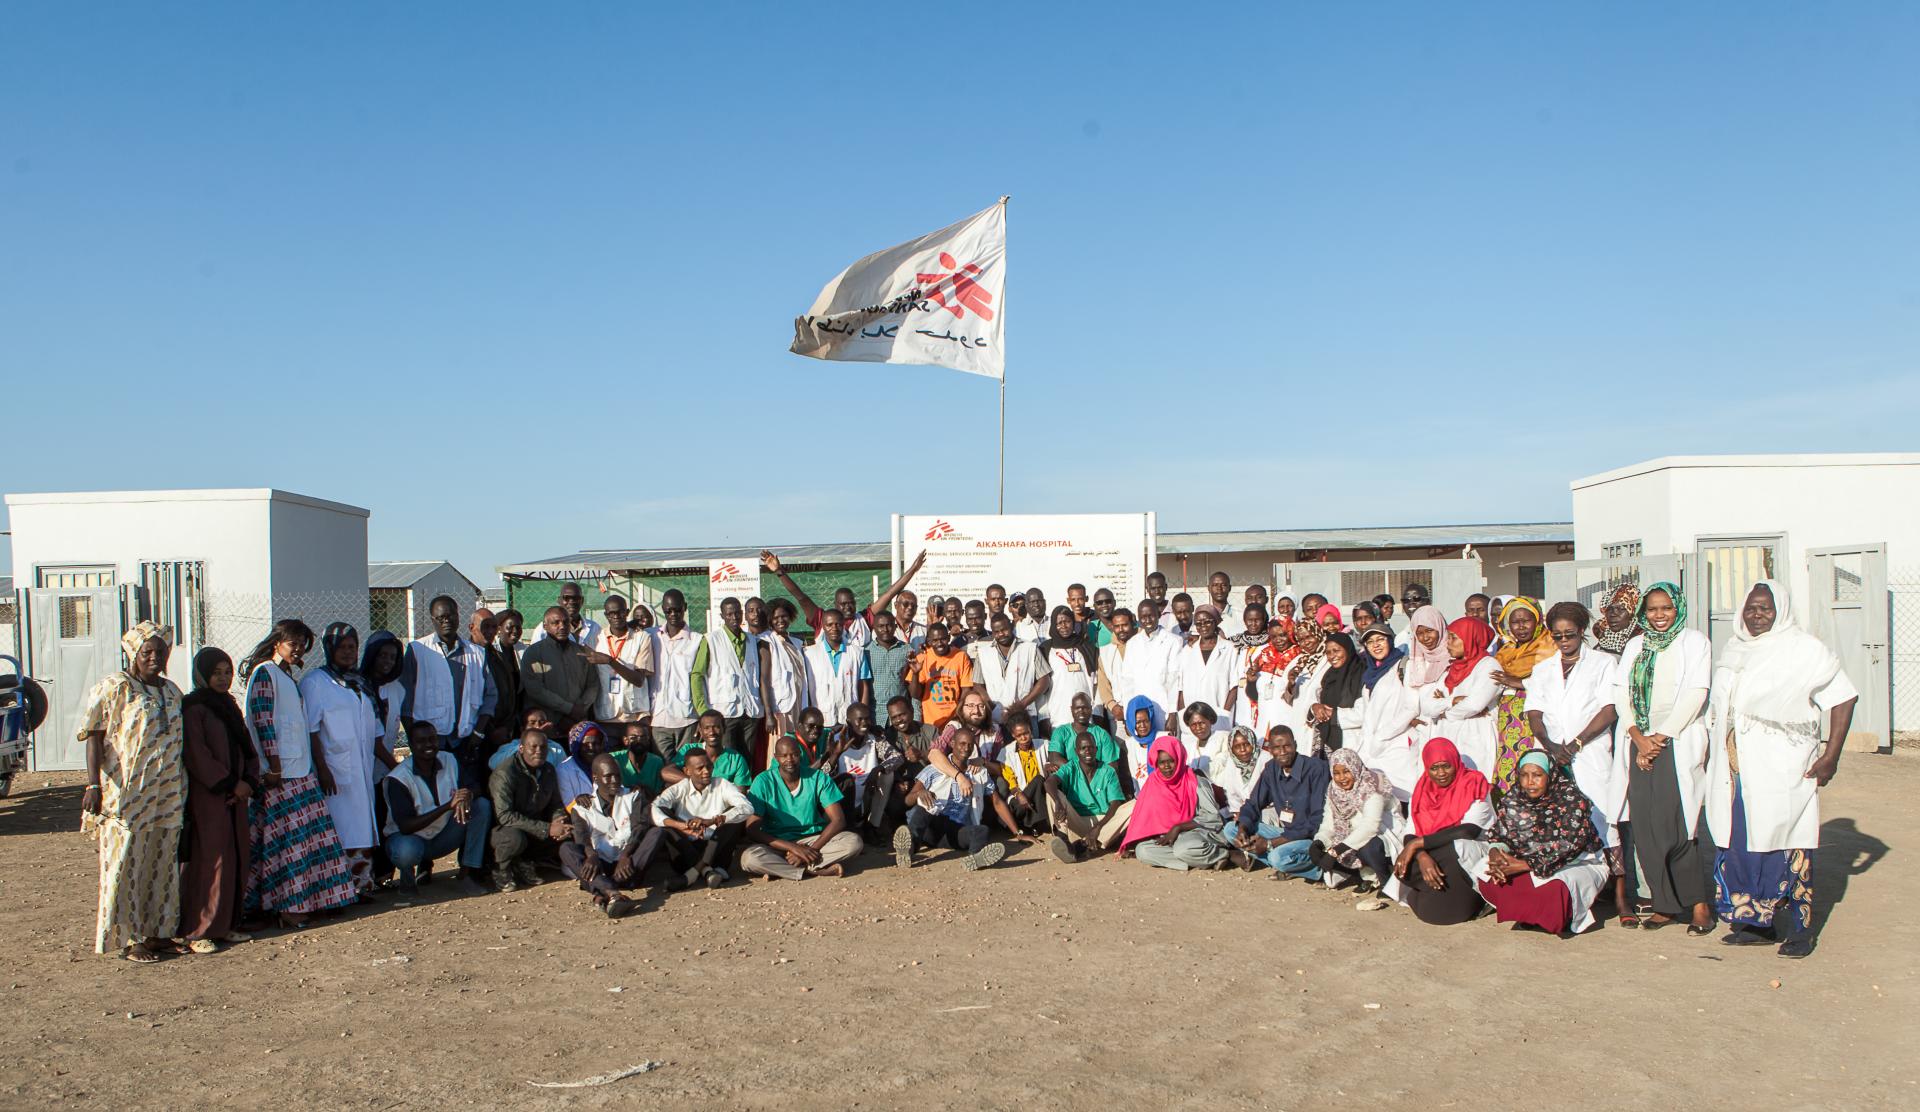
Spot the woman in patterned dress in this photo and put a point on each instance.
(1527, 643)
(299, 866)
(135, 801)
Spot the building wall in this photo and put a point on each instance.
(1500, 565)
(441, 581)
(227, 530)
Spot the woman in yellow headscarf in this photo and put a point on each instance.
(135, 802)
(1527, 643)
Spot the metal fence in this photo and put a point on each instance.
(236, 622)
(1903, 630)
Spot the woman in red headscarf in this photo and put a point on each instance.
(1175, 823)
(1434, 868)
(1461, 704)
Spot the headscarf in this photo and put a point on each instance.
(576, 742)
(1615, 640)
(1326, 608)
(1766, 683)
(1424, 665)
(369, 654)
(1134, 706)
(1369, 608)
(219, 703)
(139, 635)
(1640, 680)
(1305, 660)
(1273, 659)
(1434, 807)
(1378, 668)
(1549, 832)
(1344, 803)
(1247, 767)
(1519, 660)
(1475, 635)
(1163, 802)
(1340, 687)
(347, 677)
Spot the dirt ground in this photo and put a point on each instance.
(1030, 985)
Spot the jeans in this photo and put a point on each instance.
(933, 831)
(1292, 859)
(410, 851)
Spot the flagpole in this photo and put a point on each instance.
(1003, 387)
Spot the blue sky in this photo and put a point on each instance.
(1302, 266)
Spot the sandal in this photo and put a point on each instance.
(236, 936)
(140, 953)
(1629, 919)
(292, 922)
(203, 946)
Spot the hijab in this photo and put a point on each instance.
(1248, 767)
(1273, 658)
(1305, 660)
(1434, 807)
(220, 703)
(1768, 681)
(1519, 660)
(375, 684)
(1344, 803)
(139, 635)
(1326, 608)
(1615, 640)
(1378, 668)
(576, 743)
(1340, 687)
(1164, 802)
(345, 677)
(1640, 679)
(1475, 635)
(1424, 665)
(1134, 706)
(1549, 832)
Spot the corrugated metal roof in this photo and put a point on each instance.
(402, 573)
(593, 561)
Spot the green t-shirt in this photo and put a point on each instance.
(793, 815)
(730, 766)
(1093, 797)
(1105, 749)
(646, 775)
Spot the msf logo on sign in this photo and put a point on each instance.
(942, 530)
(955, 290)
(726, 573)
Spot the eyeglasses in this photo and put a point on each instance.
(1570, 635)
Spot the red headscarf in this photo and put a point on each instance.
(1163, 802)
(1476, 635)
(1275, 660)
(1327, 610)
(1434, 807)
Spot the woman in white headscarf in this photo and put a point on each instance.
(1766, 768)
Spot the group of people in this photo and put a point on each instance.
(1521, 760)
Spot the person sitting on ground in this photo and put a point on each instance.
(1060, 747)
(1360, 805)
(1282, 813)
(855, 757)
(1205, 746)
(1173, 824)
(1236, 775)
(1086, 809)
(946, 810)
(799, 828)
(535, 718)
(614, 839)
(641, 765)
(1143, 729)
(1547, 861)
(913, 738)
(1433, 869)
(429, 815)
(575, 774)
(529, 815)
(711, 738)
(704, 817)
(1023, 772)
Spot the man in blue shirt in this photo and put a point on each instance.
(1295, 788)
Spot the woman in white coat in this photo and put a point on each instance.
(1660, 693)
(1571, 713)
(1390, 736)
(1771, 686)
(340, 714)
(1461, 705)
(1292, 706)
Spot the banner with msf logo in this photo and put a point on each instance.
(939, 299)
(737, 578)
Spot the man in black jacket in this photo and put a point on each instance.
(530, 818)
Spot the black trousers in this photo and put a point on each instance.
(1672, 859)
(1458, 902)
(1373, 855)
(512, 845)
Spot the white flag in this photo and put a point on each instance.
(938, 299)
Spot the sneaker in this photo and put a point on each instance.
(1061, 849)
(503, 880)
(717, 877)
(1373, 903)
(989, 854)
(471, 884)
(528, 876)
(620, 907)
(903, 848)
(680, 882)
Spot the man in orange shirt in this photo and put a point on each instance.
(938, 675)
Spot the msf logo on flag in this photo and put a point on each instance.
(941, 531)
(726, 573)
(956, 282)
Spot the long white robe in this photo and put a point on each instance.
(1469, 723)
(349, 730)
(1389, 737)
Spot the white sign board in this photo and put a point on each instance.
(736, 579)
(966, 553)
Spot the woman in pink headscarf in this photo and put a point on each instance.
(1175, 824)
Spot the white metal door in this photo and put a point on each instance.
(1848, 611)
(73, 641)
(1728, 567)
(1449, 581)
